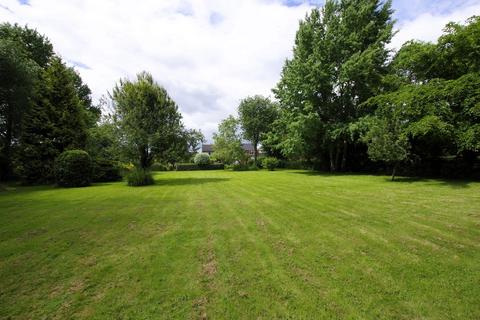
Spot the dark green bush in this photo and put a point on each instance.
(240, 167)
(193, 166)
(201, 159)
(73, 168)
(270, 163)
(140, 177)
(106, 171)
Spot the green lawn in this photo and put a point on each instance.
(250, 245)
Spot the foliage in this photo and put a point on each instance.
(23, 52)
(103, 141)
(193, 166)
(256, 116)
(105, 171)
(148, 118)
(157, 166)
(270, 163)
(140, 177)
(36, 46)
(201, 159)
(73, 168)
(55, 122)
(228, 142)
(339, 60)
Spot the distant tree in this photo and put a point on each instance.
(148, 118)
(256, 116)
(103, 141)
(228, 142)
(386, 142)
(194, 139)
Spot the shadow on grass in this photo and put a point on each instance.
(187, 181)
(453, 183)
(456, 184)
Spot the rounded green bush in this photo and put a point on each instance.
(140, 177)
(202, 159)
(270, 163)
(73, 168)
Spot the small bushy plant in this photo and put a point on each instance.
(270, 163)
(201, 159)
(73, 168)
(140, 177)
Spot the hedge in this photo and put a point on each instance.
(193, 166)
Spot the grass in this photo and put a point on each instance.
(248, 245)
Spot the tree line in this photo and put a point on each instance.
(347, 102)
(46, 109)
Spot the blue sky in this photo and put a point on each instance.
(208, 54)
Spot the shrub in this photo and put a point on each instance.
(106, 170)
(193, 166)
(240, 167)
(73, 168)
(140, 177)
(270, 163)
(202, 159)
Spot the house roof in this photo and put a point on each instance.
(245, 146)
(207, 147)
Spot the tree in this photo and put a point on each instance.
(55, 123)
(148, 118)
(386, 142)
(339, 60)
(194, 139)
(17, 80)
(256, 116)
(228, 142)
(36, 46)
(23, 54)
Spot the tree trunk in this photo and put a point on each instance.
(144, 157)
(255, 151)
(337, 156)
(330, 155)
(394, 171)
(344, 155)
(6, 171)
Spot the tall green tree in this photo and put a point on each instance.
(17, 80)
(148, 118)
(339, 60)
(227, 141)
(56, 122)
(23, 54)
(256, 116)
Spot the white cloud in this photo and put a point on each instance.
(428, 26)
(208, 54)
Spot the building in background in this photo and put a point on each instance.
(247, 147)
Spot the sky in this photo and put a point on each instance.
(208, 54)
